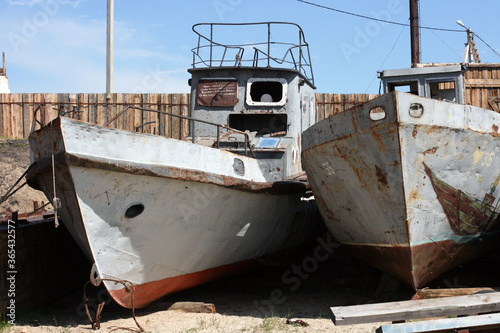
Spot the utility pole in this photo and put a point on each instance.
(109, 47)
(414, 32)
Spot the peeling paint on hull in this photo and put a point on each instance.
(376, 183)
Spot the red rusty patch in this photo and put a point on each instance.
(466, 215)
(430, 151)
(495, 128)
(420, 264)
(381, 176)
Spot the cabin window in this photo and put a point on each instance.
(443, 90)
(266, 92)
(218, 92)
(405, 86)
(263, 124)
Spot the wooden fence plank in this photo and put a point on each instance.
(17, 117)
(38, 103)
(83, 107)
(167, 120)
(176, 123)
(92, 100)
(2, 99)
(72, 107)
(27, 114)
(101, 109)
(137, 102)
(120, 122)
(184, 100)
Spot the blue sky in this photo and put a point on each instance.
(60, 45)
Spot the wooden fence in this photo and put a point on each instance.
(482, 85)
(17, 111)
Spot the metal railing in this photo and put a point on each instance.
(293, 55)
(192, 121)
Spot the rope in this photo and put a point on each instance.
(9, 193)
(56, 203)
(129, 287)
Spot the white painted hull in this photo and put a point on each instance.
(395, 190)
(200, 217)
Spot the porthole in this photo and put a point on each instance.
(134, 211)
(239, 167)
(416, 110)
(377, 113)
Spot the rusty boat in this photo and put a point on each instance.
(158, 215)
(409, 181)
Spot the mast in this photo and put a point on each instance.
(414, 33)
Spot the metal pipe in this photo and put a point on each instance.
(414, 33)
(109, 47)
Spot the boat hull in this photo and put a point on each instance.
(393, 190)
(155, 225)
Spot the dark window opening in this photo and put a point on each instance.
(266, 91)
(409, 86)
(134, 211)
(261, 123)
(443, 90)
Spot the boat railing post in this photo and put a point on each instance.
(268, 44)
(218, 136)
(192, 130)
(246, 144)
(211, 42)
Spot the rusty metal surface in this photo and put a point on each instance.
(218, 92)
(421, 184)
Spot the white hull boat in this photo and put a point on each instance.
(163, 215)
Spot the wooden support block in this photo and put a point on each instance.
(195, 307)
(462, 324)
(416, 309)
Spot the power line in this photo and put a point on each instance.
(375, 19)
(387, 56)
(482, 40)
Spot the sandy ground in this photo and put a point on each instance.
(14, 160)
(258, 301)
(244, 303)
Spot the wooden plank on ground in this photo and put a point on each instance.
(486, 321)
(193, 307)
(417, 309)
